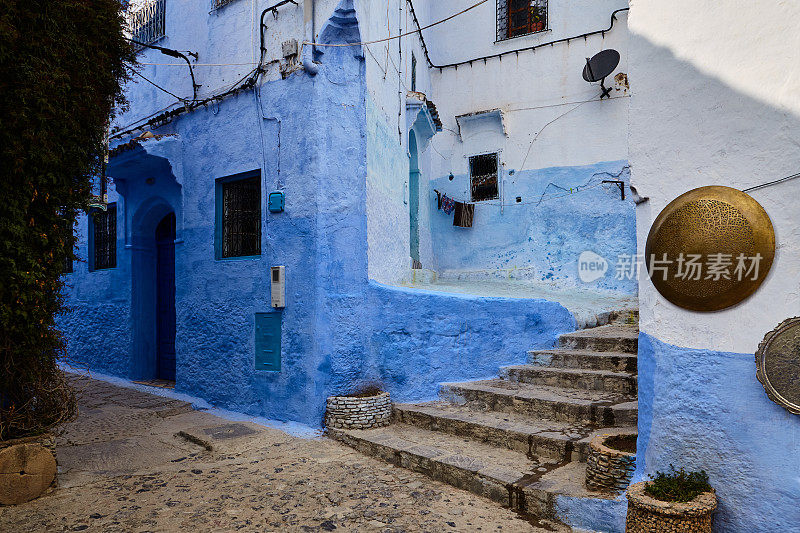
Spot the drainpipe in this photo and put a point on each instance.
(309, 26)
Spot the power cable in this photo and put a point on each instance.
(499, 55)
(400, 35)
(770, 183)
(157, 86)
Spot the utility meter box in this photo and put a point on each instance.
(276, 202)
(277, 275)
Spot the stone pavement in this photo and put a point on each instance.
(138, 462)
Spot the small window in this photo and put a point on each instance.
(146, 21)
(483, 177)
(520, 17)
(103, 237)
(69, 244)
(413, 72)
(239, 216)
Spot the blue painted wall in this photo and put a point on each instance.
(704, 409)
(541, 240)
(308, 136)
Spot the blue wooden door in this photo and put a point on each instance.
(165, 298)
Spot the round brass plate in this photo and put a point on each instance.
(778, 363)
(710, 248)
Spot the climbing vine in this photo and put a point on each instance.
(62, 65)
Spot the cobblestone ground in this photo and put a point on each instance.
(124, 468)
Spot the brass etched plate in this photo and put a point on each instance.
(710, 248)
(778, 363)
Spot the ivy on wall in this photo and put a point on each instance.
(62, 63)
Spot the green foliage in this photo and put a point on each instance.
(62, 64)
(678, 485)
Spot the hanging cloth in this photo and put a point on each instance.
(448, 204)
(465, 213)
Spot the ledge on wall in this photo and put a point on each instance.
(492, 119)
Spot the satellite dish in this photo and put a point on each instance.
(599, 66)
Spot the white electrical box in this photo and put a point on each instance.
(278, 277)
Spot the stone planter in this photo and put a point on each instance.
(350, 412)
(646, 514)
(609, 469)
(27, 468)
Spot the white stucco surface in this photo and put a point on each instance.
(716, 101)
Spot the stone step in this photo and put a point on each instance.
(560, 441)
(572, 378)
(585, 359)
(529, 485)
(599, 409)
(612, 338)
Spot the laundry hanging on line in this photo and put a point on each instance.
(465, 213)
(444, 202)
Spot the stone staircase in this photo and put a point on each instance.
(521, 439)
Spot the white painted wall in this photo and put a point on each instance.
(716, 101)
(228, 37)
(533, 88)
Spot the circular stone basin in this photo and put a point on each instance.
(362, 411)
(611, 462)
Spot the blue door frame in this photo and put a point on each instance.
(413, 196)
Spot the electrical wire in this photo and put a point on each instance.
(249, 64)
(157, 86)
(431, 64)
(400, 35)
(770, 183)
(522, 165)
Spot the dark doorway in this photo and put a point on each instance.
(165, 298)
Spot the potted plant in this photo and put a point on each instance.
(538, 18)
(674, 501)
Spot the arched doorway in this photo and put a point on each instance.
(165, 298)
(413, 199)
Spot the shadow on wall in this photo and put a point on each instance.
(704, 409)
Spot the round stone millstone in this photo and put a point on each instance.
(27, 469)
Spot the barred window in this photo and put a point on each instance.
(483, 177)
(69, 244)
(103, 228)
(520, 17)
(146, 21)
(216, 4)
(239, 216)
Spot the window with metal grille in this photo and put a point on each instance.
(239, 216)
(216, 4)
(413, 72)
(103, 233)
(483, 177)
(147, 21)
(520, 17)
(69, 244)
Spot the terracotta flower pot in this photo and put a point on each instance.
(353, 412)
(27, 468)
(607, 468)
(646, 514)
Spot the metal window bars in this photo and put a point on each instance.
(216, 4)
(483, 177)
(105, 237)
(241, 217)
(147, 22)
(516, 18)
